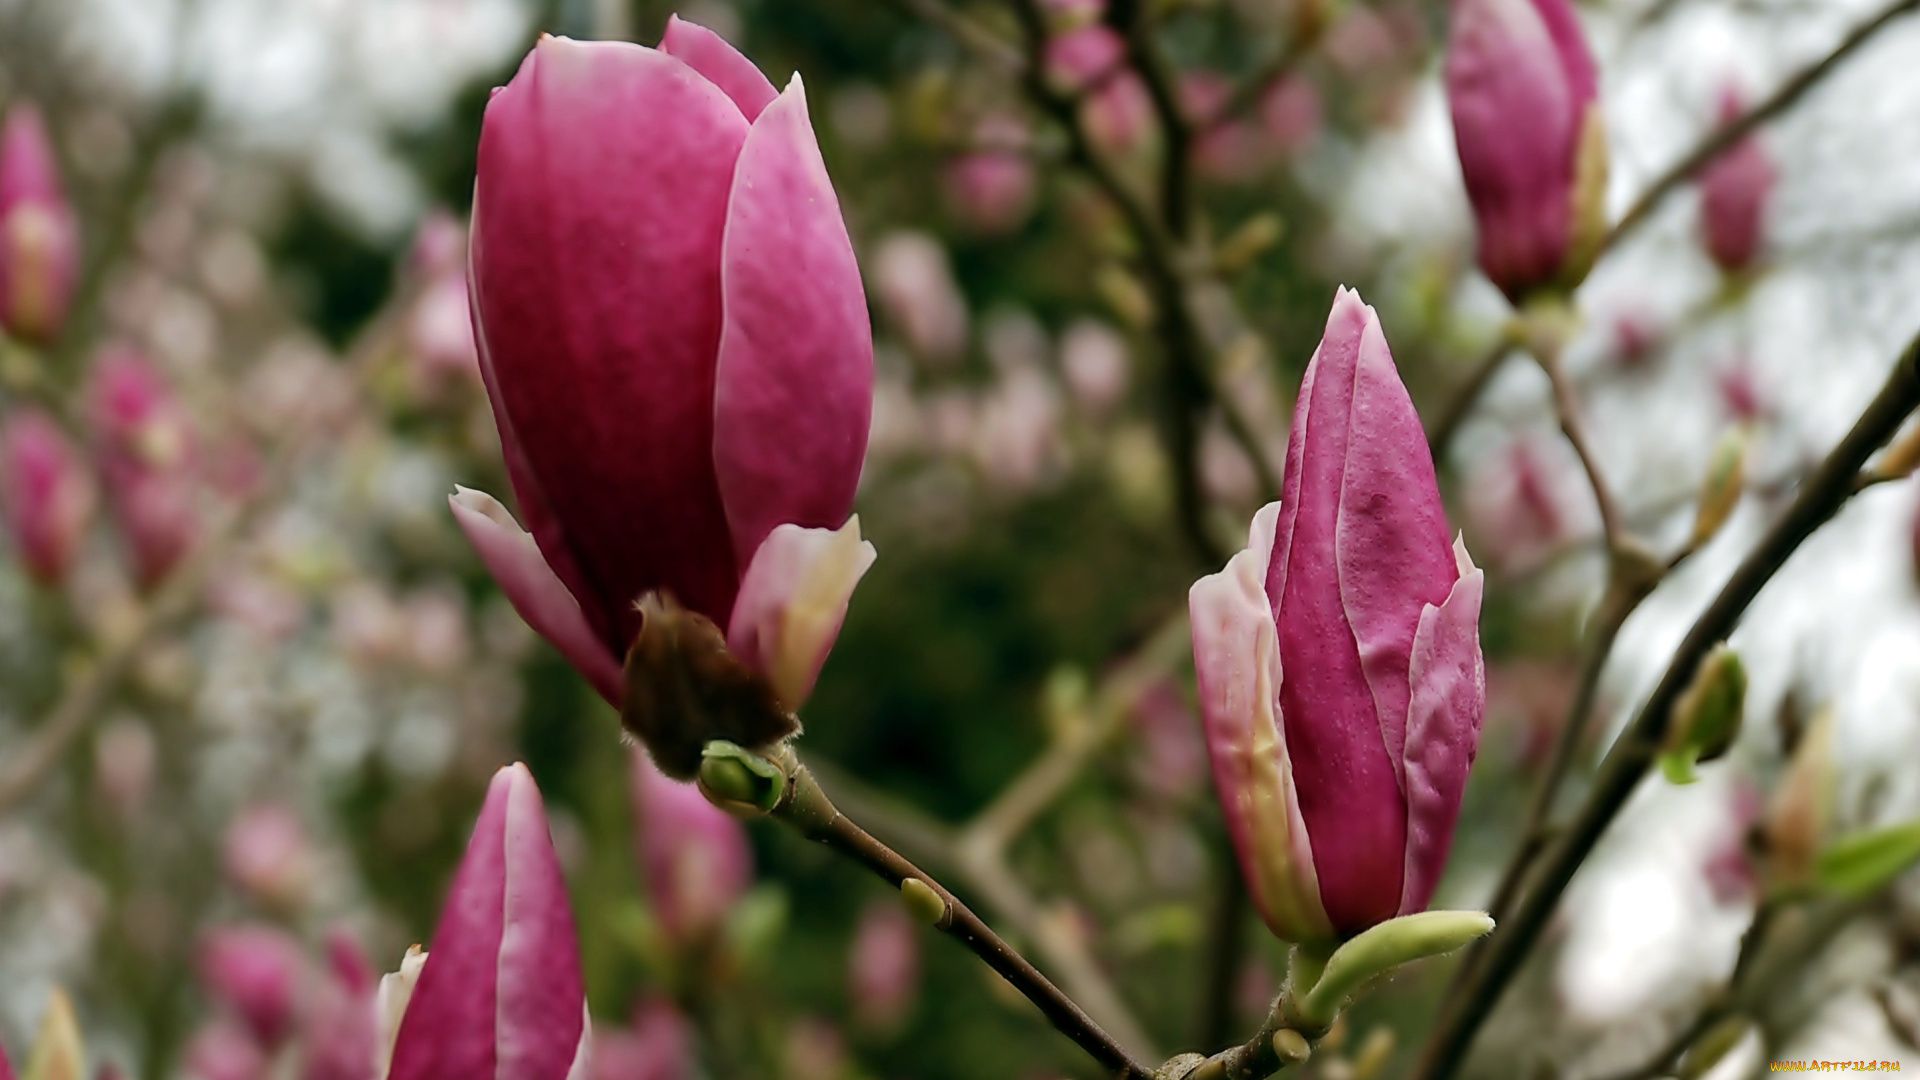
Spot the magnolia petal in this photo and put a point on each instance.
(390, 1002)
(1519, 81)
(712, 56)
(1391, 547)
(533, 589)
(1237, 665)
(793, 601)
(1348, 784)
(500, 995)
(599, 212)
(1448, 703)
(794, 392)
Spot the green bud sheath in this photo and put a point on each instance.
(1706, 719)
(739, 780)
(1384, 947)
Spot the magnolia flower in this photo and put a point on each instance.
(675, 342)
(255, 971)
(46, 493)
(39, 238)
(145, 447)
(883, 966)
(694, 855)
(1338, 657)
(500, 993)
(1532, 142)
(1734, 190)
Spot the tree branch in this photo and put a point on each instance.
(1726, 135)
(1633, 754)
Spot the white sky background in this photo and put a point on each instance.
(318, 82)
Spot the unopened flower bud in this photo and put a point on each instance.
(1706, 719)
(1798, 816)
(46, 492)
(256, 971)
(145, 446)
(883, 967)
(1725, 482)
(1734, 191)
(694, 855)
(59, 1053)
(267, 855)
(1532, 143)
(39, 238)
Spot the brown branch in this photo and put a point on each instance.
(807, 809)
(1566, 409)
(1726, 135)
(1824, 493)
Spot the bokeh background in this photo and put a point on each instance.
(293, 728)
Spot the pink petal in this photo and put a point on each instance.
(1394, 559)
(1348, 785)
(694, 855)
(533, 589)
(39, 237)
(1520, 82)
(1443, 727)
(1237, 665)
(501, 995)
(710, 54)
(793, 601)
(599, 211)
(795, 386)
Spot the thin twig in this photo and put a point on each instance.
(1567, 409)
(1824, 493)
(1132, 18)
(809, 811)
(1726, 135)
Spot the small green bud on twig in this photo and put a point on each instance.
(1725, 481)
(923, 901)
(1706, 719)
(740, 781)
(1380, 949)
(1291, 1047)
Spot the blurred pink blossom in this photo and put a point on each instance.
(1095, 363)
(1225, 148)
(991, 188)
(658, 1045)
(1292, 113)
(883, 966)
(268, 856)
(1172, 756)
(1734, 191)
(221, 1050)
(39, 237)
(918, 297)
(48, 494)
(1091, 60)
(146, 451)
(695, 855)
(257, 972)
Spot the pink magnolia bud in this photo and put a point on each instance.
(500, 993)
(1172, 757)
(267, 856)
(39, 238)
(883, 966)
(1338, 657)
(919, 298)
(1734, 189)
(694, 854)
(439, 329)
(1532, 143)
(48, 494)
(659, 1046)
(145, 447)
(223, 1051)
(341, 1036)
(256, 971)
(674, 338)
(1226, 148)
(1091, 60)
(1292, 114)
(992, 189)
(1094, 359)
